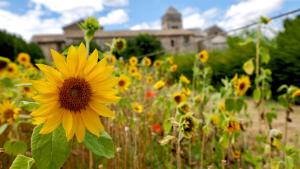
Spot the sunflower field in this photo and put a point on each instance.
(92, 110)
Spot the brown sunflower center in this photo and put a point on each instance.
(10, 69)
(201, 56)
(75, 94)
(177, 99)
(8, 114)
(26, 89)
(122, 83)
(119, 45)
(23, 59)
(3, 65)
(242, 86)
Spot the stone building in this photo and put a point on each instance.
(173, 37)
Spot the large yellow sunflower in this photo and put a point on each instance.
(75, 93)
(8, 112)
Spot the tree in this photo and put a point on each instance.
(141, 45)
(285, 57)
(12, 45)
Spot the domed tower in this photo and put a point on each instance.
(172, 19)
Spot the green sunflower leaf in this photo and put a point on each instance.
(22, 162)
(50, 151)
(102, 146)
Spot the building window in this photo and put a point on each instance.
(172, 43)
(186, 39)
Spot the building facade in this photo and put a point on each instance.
(173, 37)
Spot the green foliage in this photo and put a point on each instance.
(50, 151)
(22, 162)
(231, 60)
(12, 45)
(141, 45)
(285, 57)
(102, 146)
(15, 147)
(185, 64)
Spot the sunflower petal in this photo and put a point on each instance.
(60, 62)
(91, 62)
(92, 122)
(101, 109)
(51, 123)
(67, 122)
(50, 73)
(80, 129)
(72, 60)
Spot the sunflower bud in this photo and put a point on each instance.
(188, 125)
(89, 27)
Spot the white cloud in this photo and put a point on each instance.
(118, 16)
(248, 11)
(194, 19)
(146, 25)
(115, 2)
(29, 23)
(38, 21)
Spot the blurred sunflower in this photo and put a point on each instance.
(23, 58)
(186, 91)
(173, 68)
(215, 119)
(133, 61)
(242, 85)
(221, 106)
(119, 44)
(236, 154)
(183, 108)
(12, 69)
(75, 93)
(133, 70)
(8, 112)
(110, 58)
(233, 126)
(123, 83)
(203, 56)
(146, 61)
(184, 79)
(188, 125)
(178, 97)
(3, 64)
(150, 79)
(137, 107)
(170, 60)
(160, 84)
(157, 63)
(296, 93)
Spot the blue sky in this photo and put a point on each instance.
(30, 17)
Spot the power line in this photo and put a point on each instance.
(273, 18)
